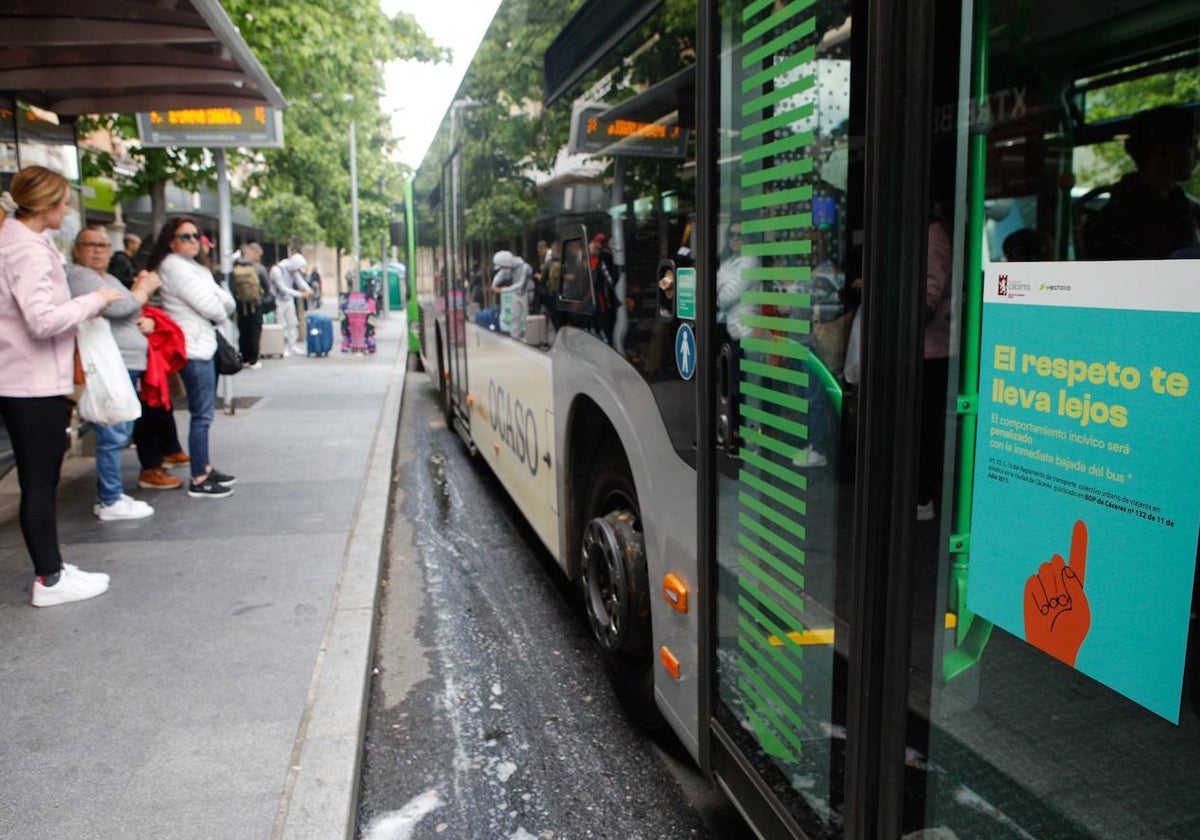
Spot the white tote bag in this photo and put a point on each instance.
(108, 397)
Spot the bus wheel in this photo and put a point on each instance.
(616, 591)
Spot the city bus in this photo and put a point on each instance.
(816, 340)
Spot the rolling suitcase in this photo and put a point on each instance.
(319, 329)
(271, 341)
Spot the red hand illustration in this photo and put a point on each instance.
(1057, 613)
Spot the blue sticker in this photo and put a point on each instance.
(685, 351)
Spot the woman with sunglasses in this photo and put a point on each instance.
(196, 303)
(37, 342)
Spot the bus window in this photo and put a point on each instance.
(1067, 712)
(576, 288)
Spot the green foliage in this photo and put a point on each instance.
(286, 217)
(327, 59)
(1124, 99)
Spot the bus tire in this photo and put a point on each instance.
(616, 588)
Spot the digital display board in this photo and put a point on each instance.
(594, 130)
(212, 127)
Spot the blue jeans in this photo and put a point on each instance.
(200, 381)
(110, 440)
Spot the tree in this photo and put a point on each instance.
(287, 217)
(327, 59)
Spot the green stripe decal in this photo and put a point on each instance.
(781, 68)
(781, 248)
(777, 198)
(766, 666)
(774, 660)
(773, 397)
(771, 491)
(778, 121)
(772, 223)
(752, 591)
(792, 428)
(789, 375)
(787, 349)
(788, 38)
(790, 476)
(767, 24)
(778, 95)
(778, 173)
(756, 437)
(768, 322)
(769, 185)
(784, 570)
(777, 299)
(792, 649)
(780, 273)
(778, 147)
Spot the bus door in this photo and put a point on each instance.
(786, 279)
(456, 292)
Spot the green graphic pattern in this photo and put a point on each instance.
(773, 181)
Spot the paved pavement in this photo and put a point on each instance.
(218, 689)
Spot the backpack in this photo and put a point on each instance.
(245, 285)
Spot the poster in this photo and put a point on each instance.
(1087, 467)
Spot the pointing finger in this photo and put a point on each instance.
(1079, 547)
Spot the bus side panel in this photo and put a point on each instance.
(666, 489)
(512, 424)
(431, 317)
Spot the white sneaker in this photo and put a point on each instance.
(925, 512)
(123, 508)
(73, 585)
(255, 366)
(809, 457)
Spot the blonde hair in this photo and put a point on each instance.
(35, 189)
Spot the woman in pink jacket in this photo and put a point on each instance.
(37, 340)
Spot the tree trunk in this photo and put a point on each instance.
(158, 206)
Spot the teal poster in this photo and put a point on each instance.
(1087, 467)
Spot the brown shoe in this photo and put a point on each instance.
(158, 479)
(179, 459)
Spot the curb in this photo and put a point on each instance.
(320, 794)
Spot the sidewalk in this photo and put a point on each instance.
(218, 689)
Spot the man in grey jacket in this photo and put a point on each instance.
(130, 329)
(288, 285)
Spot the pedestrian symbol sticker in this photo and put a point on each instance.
(685, 351)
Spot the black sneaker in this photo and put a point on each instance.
(208, 489)
(221, 478)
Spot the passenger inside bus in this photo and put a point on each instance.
(1149, 216)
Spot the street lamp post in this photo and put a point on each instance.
(354, 197)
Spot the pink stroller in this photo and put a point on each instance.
(358, 323)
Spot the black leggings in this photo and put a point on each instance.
(38, 428)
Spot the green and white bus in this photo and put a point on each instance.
(742, 406)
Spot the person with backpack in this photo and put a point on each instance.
(250, 286)
(604, 269)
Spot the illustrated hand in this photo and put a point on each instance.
(1057, 614)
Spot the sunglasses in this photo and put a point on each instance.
(188, 237)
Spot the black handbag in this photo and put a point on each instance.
(228, 359)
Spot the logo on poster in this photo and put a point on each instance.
(1011, 289)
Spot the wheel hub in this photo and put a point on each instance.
(605, 587)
